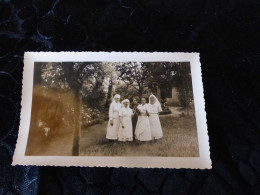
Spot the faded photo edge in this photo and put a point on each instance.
(96, 161)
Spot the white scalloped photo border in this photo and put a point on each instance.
(201, 162)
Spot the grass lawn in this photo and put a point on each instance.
(180, 140)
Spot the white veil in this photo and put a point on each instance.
(156, 102)
(116, 96)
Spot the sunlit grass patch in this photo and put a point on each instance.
(180, 140)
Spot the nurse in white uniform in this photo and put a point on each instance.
(113, 123)
(143, 131)
(125, 132)
(155, 124)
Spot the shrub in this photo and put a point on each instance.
(91, 116)
(165, 109)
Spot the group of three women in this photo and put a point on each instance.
(140, 121)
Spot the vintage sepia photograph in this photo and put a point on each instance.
(113, 109)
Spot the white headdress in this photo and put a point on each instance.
(125, 100)
(156, 101)
(117, 96)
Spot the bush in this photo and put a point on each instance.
(91, 116)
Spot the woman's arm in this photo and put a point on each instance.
(111, 110)
(121, 117)
(121, 121)
(133, 111)
(138, 110)
(147, 111)
(159, 108)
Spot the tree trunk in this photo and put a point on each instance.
(158, 93)
(77, 122)
(140, 93)
(109, 93)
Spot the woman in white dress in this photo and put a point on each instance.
(125, 132)
(155, 124)
(143, 131)
(113, 123)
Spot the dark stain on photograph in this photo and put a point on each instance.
(112, 109)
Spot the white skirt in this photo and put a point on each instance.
(126, 133)
(155, 125)
(112, 131)
(143, 131)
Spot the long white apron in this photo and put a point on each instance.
(112, 130)
(143, 131)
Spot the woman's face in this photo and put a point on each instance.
(117, 100)
(143, 101)
(125, 104)
(152, 100)
(134, 101)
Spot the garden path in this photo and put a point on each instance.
(175, 111)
